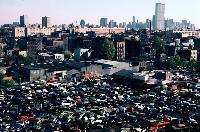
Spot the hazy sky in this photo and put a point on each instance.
(68, 11)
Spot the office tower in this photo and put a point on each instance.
(133, 19)
(46, 21)
(112, 24)
(147, 24)
(169, 24)
(24, 20)
(153, 22)
(103, 22)
(160, 16)
(122, 25)
(82, 23)
(185, 24)
(192, 27)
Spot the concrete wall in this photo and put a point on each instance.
(37, 74)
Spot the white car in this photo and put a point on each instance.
(65, 103)
(197, 94)
(197, 86)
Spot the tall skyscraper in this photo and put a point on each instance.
(147, 24)
(24, 20)
(103, 22)
(46, 21)
(133, 19)
(154, 22)
(160, 16)
(82, 23)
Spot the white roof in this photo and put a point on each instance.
(109, 62)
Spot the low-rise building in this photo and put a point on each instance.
(34, 73)
(188, 54)
(187, 33)
(36, 30)
(23, 53)
(59, 57)
(81, 54)
(9, 52)
(120, 51)
(193, 55)
(58, 44)
(101, 31)
(163, 75)
(111, 67)
(86, 67)
(30, 31)
(19, 32)
(146, 64)
(33, 46)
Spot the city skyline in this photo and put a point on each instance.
(61, 13)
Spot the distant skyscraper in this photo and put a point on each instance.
(122, 25)
(46, 21)
(147, 23)
(133, 19)
(154, 22)
(24, 20)
(192, 27)
(160, 16)
(185, 24)
(112, 24)
(82, 23)
(169, 24)
(103, 22)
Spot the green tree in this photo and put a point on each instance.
(158, 44)
(106, 49)
(68, 54)
(197, 66)
(26, 60)
(5, 34)
(171, 64)
(8, 83)
(192, 65)
(184, 63)
(177, 60)
(1, 77)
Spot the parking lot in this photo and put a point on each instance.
(97, 104)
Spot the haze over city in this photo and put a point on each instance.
(65, 12)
